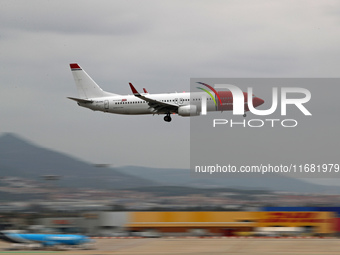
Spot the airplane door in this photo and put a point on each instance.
(106, 104)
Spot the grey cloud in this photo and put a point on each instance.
(159, 45)
(75, 17)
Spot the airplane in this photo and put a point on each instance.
(184, 104)
(46, 240)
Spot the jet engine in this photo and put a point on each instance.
(188, 110)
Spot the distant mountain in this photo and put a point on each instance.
(20, 158)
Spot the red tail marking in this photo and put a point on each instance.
(74, 66)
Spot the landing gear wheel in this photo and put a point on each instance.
(244, 115)
(167, 118)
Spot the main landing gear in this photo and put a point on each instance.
(244, 115)
(167, 117)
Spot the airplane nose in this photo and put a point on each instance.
(257, 101)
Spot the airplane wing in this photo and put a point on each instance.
(158, 106)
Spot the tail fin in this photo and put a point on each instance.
(87, 88)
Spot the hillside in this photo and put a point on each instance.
(20, 158)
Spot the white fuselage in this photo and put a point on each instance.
(130, 104)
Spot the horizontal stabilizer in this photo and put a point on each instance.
(79, 100)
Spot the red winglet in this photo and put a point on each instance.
(75, 66)
(134, 91)
(145, 91)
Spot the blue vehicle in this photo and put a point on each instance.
(46, 240)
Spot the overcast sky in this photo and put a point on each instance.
(158, 45)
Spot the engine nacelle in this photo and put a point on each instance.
(188, 110)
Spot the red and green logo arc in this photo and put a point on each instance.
(209, 93)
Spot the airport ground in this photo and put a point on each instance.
(200, 246)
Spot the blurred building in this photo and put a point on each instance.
(230, 223)
(309, 220)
